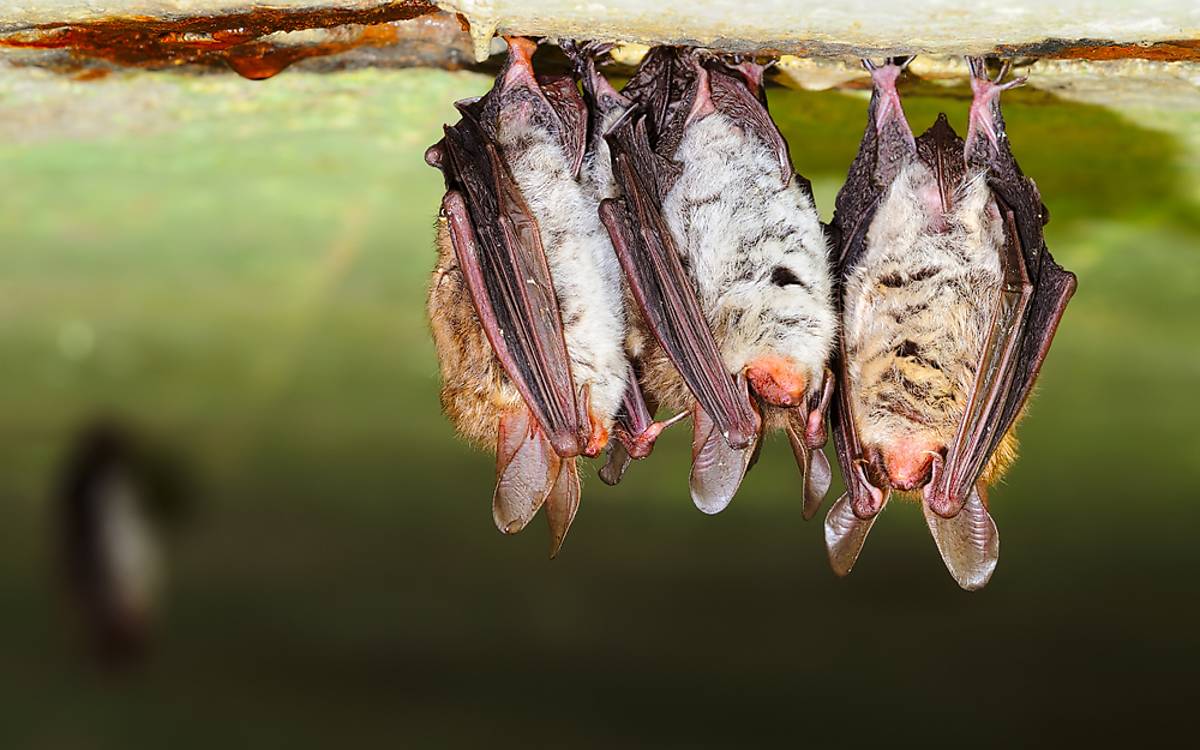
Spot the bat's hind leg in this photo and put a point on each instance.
(985, 117)
(897, 144)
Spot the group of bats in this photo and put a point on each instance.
(604, 255)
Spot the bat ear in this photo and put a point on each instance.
(527, 469)
(618, 461)
(817, 478)
(717, 469)
(845, 534)
(969, 542)
(815, 467)
(562, 504)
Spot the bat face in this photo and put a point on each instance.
(734, 282)
(949, 302)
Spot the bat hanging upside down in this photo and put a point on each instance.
(949, 302)
(729, 265)
(526, 300)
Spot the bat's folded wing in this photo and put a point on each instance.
(1033, 297)
(734, 99)
(499, 250)
(663, 292)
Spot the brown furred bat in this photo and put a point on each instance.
(949, 301)
(729, 266)
(525, 303)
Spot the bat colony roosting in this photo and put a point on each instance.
(605, 254)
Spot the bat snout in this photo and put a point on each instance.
(777, 381)
(908, 464)
(597, 437)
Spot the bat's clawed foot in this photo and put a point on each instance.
(980, 80)
(890, 122)
(640, 446)
(519, 68)
(985, 106)
(937, 495)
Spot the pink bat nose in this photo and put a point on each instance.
(777, 381)
(908, 463)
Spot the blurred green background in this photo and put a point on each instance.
(238, 269)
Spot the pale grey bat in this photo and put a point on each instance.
(727, 259)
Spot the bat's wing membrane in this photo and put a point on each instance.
(572, 113)
(663, 292)
(527, 470)
(734, 99)
(851, 516)
(1034, 295)
(500, 253)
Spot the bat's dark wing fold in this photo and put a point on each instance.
(732, 97)
(854, 210)
(499, 249)
(856, 202)
(571, 112)
(663, 292)
(1053, 286)
(665, 87)
(1033, 297)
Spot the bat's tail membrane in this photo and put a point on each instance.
(969, 542)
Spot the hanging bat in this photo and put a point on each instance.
(525, 303)
(635, 428)
(949, 301)
(728, 262)
(117, 498)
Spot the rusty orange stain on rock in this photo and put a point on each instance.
(1179, 50)
(235, 39)
(1187, 50)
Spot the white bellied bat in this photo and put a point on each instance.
(729, 264)
(635, 429)
(949, 301)
(526, 300)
